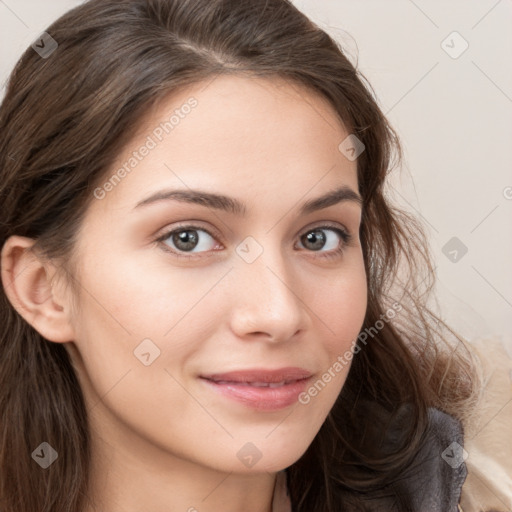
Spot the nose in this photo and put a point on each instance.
(267, 298)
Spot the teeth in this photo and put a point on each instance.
(255, 384)
(276, 384)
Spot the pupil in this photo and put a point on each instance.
(184, 237)
(313, 237)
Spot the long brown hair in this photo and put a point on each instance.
(63, 121)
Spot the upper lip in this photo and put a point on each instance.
(287, 374)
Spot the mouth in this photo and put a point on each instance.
(256, 384)
(265, 390)
(261, 376)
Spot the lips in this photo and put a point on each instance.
(256, 384)
(262, 378)
(264, 390)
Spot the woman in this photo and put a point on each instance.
(208, 301)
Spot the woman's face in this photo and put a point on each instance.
(270, 285)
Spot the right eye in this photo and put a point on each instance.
(185, 239)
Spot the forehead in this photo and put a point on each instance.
(246, 136)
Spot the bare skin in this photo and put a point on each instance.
(163, 440)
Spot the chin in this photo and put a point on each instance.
(269, 457)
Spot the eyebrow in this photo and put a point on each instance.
(236, 207)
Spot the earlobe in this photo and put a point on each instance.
(27, 281)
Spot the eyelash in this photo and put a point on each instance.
(344, 235)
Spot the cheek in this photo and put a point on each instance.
(343, 307)
(128, 360)
(129, 309)
(343, 303)
(139, 298)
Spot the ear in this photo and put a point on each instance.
(27, 281)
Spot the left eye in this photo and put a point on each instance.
(317, 237)
(186, 239)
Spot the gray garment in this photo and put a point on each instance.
(433, 482)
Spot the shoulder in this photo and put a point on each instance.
(433, 479)
(437, 478)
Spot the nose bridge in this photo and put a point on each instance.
(269, 301)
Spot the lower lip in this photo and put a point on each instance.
(262, 398)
